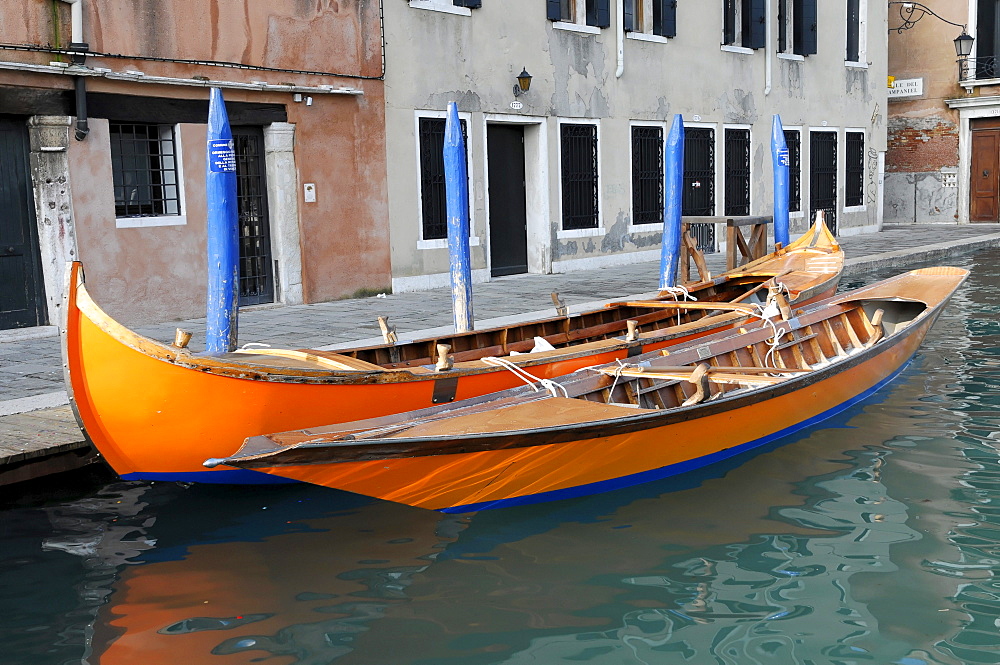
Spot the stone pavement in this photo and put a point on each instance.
(33, 418)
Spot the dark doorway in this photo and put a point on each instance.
(984, 202)
(256, 266)
(823, 176)
(698, 197)
(508, 211)
(22, 294)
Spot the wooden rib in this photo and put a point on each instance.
(849, 329)
(834, 340)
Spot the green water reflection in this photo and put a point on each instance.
(875, 539)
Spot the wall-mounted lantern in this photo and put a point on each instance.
(523, 83)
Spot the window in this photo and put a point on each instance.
(987, 39)
(744, 23)
(655, 17)
(857, 13)
(595, 13)
(433, 206)
(647, 175)
(823, 175)
(737, 172)
(804, 27)
(460, 7)
(578, 164)
(144, 170)
(854, 169)
(793, 141)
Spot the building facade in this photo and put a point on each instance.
(103, 110)
(568, 174)
(944, 134)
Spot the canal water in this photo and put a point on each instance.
(872, 539)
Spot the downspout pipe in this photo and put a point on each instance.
(768, 36)
(620, 42)
(79, 82)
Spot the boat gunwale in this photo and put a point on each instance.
(257, 371)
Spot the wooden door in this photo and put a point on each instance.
(984, 199)
(508, 212)
(22, 294)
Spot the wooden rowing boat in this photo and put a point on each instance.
(619, 424)
(156, 411)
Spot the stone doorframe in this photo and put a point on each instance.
(968, 109)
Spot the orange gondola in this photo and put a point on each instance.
(156, 411)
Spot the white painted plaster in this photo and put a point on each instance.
(283, 209)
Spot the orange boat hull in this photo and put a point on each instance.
(491, 479)
(155, 413)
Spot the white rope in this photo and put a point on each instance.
(552, 387)
(761, 313)
(678, 293)
(254, 345)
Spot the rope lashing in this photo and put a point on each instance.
(552, 387)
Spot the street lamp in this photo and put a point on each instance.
(523, 83)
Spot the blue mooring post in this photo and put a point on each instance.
(673, 188)
(456, 183)
(223, 234)
(779, 156)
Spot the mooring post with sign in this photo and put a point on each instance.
(222, 308)
(779, 157)
(673, 189)
(456, 182)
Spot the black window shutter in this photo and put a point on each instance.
(554, 8)
(599, 13)
(628, 11)
(729, 22)
(471, 4)
(754, 36)
(805, 27)
(669, 27)
(853, 30)
(782, 28)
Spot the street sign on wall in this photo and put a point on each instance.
(906, 88)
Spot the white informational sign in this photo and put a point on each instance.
(906, 88)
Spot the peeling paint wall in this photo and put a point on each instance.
(435, 57)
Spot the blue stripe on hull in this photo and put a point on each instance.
(219, 477)
(673, 469)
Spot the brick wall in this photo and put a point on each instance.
(919, 145)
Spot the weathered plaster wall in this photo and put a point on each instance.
(138, 274)
(923, 133)
(158, 273)
(437, 57)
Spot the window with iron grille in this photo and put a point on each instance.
(433, 204)
(144, 170)
(579, 176)
(698, 198)
(737, 172)
(987, 39)
(647, 175)
(823, 176)
(793, 141)
(854, 169)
